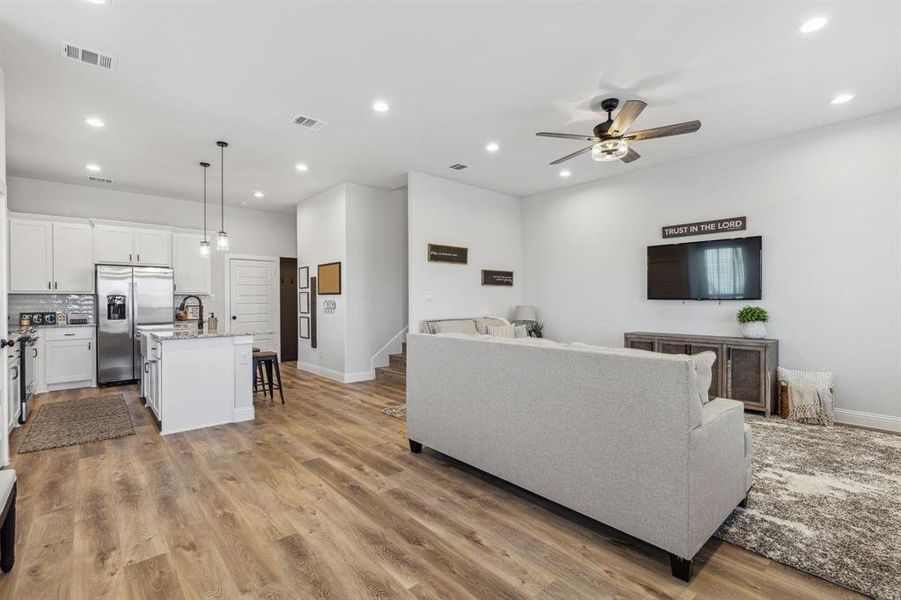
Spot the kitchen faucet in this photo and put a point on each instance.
(181, 307)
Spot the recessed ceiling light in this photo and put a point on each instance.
(492, 147)
(301, 167)
(98, 1)
(243, 202)
(258, 194)
(565, 173)
(814, 24)
(92, 167)
(94, 122)
(842, 98)
(380, 106)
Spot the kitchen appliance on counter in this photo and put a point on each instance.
(79, 318)
(127, 298)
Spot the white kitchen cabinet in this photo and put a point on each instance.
(153, 247)
(73, 258)
(31, 255)
(192, 269)
(69, 357)
(120, 244)
(113, 243)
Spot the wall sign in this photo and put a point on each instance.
(705, 227)
(497, 277)
(448, 254)
(329, 306)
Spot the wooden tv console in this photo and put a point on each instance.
(745, 369)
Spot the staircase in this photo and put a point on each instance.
(396, 371)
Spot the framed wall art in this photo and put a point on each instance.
(329, 277)
(303, 327)
(303, 303)
(303, 278)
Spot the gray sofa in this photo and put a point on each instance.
(621, 436)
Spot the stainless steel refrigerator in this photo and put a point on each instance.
(128, 297)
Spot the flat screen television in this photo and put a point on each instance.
(711, 270)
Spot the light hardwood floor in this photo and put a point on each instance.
(321, 498)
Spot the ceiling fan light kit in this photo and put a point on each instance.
(611, 140)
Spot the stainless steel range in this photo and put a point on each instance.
(128, 297)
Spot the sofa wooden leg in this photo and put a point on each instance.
(415, 447)
(681, 567)
(8, 536)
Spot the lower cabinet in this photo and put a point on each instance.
(69, 358)
(744, 369)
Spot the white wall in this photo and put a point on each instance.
(249, 231)
(827, 205)
(377, 273)
(488, 223)
(322, 238)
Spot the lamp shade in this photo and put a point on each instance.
(524, 312)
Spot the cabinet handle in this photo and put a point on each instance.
(16, 371)
(49, 287)
(35, 352)
(56, 285)
(89, 345)
(139, 258)
(68, 334)
(129, 258)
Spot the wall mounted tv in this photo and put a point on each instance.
(710, 270)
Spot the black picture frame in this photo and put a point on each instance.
(303, 327)
(303, 303)
(333, 287)
(303, 278)
(497, 278)
(456, 255)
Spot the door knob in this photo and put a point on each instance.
(5, 343)
(234, 318)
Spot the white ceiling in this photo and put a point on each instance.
(456, 74)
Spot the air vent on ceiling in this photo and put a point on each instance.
(458, 167)
(90, 57)
(96, 179)
(310, 123)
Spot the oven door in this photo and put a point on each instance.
(28, 353)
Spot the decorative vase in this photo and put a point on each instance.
(755, 330)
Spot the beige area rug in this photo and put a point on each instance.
(398, 412)
(78, 422)
(826, 500)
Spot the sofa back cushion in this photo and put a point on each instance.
(465, 326)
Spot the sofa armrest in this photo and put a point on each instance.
(717, 471)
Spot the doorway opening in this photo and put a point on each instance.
(288, 304)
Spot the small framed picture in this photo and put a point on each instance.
(303, 278)
(303, 303)
(303, 326)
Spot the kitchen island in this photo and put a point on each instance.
(199, 379)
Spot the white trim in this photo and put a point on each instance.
(359, 376)
(321, 371)
(865, 419)
(243, 414)
(276, 303)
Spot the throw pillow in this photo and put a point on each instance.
(506, 331)
(704, 368)
(521, 331)
(465, 326)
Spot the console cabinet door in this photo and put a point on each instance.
(30, 256)
(114, 243)
(73, 258)
(671, 347)
(746, 375)
(717, 376)
(640, 343)
(153, 247)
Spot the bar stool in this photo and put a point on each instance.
(267, 360)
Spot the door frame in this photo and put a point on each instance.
(4, 306)
(273, 287)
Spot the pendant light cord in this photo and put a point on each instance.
(222, 186)
(204, 203)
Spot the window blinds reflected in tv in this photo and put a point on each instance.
(711, 270)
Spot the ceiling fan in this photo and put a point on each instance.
(610, 140)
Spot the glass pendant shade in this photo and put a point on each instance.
(222, 241)
(204, 248)
(609, 150)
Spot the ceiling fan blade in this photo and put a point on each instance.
(630, 156)
(573, 155)
(569, 136)
(665, 131)
(626, 116)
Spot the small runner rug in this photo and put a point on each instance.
(78, 422)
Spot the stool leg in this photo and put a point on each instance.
(261, 376)
(269, 377)
(278, 375)
(255, 367)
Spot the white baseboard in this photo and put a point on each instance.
(322, 371)
(358, 376)
(243, 414)
(865, 419)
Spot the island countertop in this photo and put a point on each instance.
(165, 336)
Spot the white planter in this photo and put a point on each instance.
(754, 329)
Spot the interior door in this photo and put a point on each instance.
(288, 307)
(253, 300)
(4, 223)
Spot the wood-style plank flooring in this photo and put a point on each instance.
(321, 498)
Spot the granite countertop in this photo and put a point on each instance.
(193, 335)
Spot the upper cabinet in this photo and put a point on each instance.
(131, 245)
(47, 256)
(192, 269)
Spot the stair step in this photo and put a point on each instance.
(390, 375)
(398, 362)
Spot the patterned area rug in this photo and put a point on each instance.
(398, 412)
(78, 422)
(826, 501)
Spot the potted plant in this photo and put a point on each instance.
(753, 321)
(536, 330)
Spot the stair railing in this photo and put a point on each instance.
(383, 352)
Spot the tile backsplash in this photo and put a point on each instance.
(19, 303)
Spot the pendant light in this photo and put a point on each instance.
(222, 237)
(205, 243)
